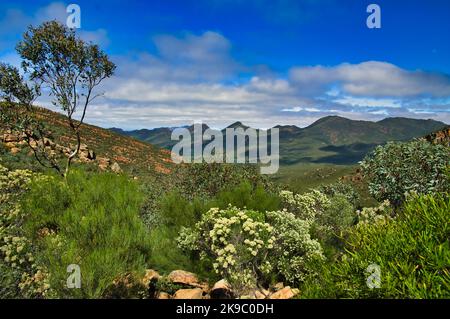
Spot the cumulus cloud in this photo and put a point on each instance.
(160, 90)
(194, 77)
(372, 78)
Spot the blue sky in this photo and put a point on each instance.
(260, 62)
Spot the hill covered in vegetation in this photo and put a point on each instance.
(332, 139)
(102, 148)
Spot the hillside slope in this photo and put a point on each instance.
(332, 139)
(109, 147)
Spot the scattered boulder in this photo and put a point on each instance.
(150, 276)
(10, 138)
(10, 145)
(278, 286)
(103, 163)
(91, 155)
(163, 295)
(195, 293)
(48, 142)
(183, 277)
(221, 290)
(14, 150)
(115, 167)
(285, 293)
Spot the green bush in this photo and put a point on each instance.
(412, 251)
(91, 221)
(343, 189)
(397, 168)
(293, 248)
(330, 227)
(16, 254)
(205, 181)
(237, 244)
(175, 212)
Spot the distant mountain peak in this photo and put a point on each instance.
(237, 124)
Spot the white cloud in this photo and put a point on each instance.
(367, 102)
(372, 78)
(194, 77)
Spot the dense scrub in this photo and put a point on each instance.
(412, 251)
(397, 168)
(227, 221)
(88, 220)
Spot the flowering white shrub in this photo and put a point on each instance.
(246, 247)
(306, 206)
(236, 241)
(372, 215)
(15, 249)
(294, 248)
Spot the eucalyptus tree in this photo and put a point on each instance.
(59, 63)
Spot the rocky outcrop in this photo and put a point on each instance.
(15, 143)
(285, 293)
(183, 277)
(195, 293)
(190, 287)
(221, 290)
(440, 137)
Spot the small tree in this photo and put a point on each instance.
(398, 168)
(56, 60)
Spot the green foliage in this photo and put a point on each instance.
(343, 189)
(175, 212)
(412, 251)
(247, 196)
(205, 181)
(308, 206)
(294, 249)
(89, 220)
(236, 242)
(20, 275)
(380, 214)
(284, 255)
(398, 168)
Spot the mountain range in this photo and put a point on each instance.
(331, 139)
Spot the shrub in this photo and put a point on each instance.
(412, 251)
(236, 242)
(397, 168)
(343, 189)
(251, 248)
(379, 214)
(306, 206)
(175, 212)
(331, 226)
(205, 181)
(89, 220)
(294, 249)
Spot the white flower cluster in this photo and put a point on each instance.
(15, 250)
(306, 206)
(237, 244)
(294, 246)
(375, 215)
